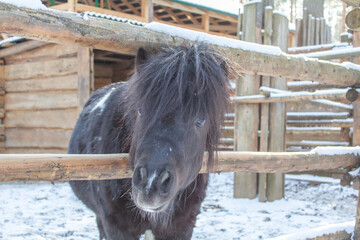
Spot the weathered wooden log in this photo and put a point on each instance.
(353, 19)
(345, 123)
(291, 97)
(316, 48)
(21, 47)
(335, 54)
(316, 115)
(354, 3)
(71, 28)
(65, 167)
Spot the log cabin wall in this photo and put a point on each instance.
(41, 100)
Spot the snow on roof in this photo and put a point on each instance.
(33, 4)
(84, 15)
(212, 39)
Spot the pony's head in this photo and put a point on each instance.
(177, 99)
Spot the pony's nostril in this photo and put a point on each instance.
(143, 173)
(140, 175)
(165, 181)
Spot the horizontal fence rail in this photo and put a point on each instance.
(72, 28)
(65, 167)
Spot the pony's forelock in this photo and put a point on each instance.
(192, 79)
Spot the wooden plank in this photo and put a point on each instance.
(305, 27)
(179, 6)
(65, 118)
(264, 117)
(313, 107)
(60, 7)
(64, 167)
(37, 138)
(247, 115)
(48, 52)
(299, 33)
(35, 151)
(100, 33)
(21, 47)
(68, 82)
(277, 111)
(345, 123)
(85, 76)
(41, 100)
(71, 5)
(290, 97)
(56, 67)
(147, 10)
(315, 135)
(205, 21)
(356, 142)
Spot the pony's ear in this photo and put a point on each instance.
(141, 58)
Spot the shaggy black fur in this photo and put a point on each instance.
(176, 99)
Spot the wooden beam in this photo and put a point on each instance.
(345, 123)
(335, 54)
(179, 6)
(125, 38)
(65, 167)
(60, 7)
(205, 22)
(290, 97)
(72, 5)
(85, 76)
(146, 10)
(21, 47)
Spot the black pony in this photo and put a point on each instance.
(166, 117)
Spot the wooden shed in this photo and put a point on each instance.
(46, 88)
(43, 86)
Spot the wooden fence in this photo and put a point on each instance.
(252, 59)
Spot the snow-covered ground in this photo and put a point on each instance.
(44, 211)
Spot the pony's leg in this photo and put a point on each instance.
(113, 232)
(100, 227)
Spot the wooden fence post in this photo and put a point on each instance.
(264, 120)
(305, 27)
(247, 115)
(277, 117)
(147, 10)
(85, 75)
(356, 142)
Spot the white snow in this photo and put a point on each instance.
(302, 83)
(334, 104)
(10, 39)
(33, 4)
(101, 103)
(331, 151)
(42, 211)
(212, 39)
(350, 65)
(331, 228)
(312, 178)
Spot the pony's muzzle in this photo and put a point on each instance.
(151, 188)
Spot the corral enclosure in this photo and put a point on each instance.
(45, 91)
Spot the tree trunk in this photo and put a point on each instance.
(314, 7)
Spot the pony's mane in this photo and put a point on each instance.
(189, 78)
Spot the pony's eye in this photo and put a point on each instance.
(200, 122)
(139, 112)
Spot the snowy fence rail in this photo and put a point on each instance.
(65, 167)
(71, 28)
